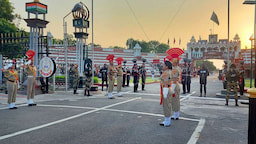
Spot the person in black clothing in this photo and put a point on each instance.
(104, 76)
(203, 73)
(143, 76)
(124, 74)
(184, 78)
(188, 75)
(128, 76)
(136, 77)
(241, 80)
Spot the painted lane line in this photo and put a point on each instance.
(187, 96)
(116, 110)
(62, 120)
(196, 134)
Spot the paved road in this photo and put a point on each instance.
(133, 119)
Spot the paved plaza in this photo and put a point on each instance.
(133, 119)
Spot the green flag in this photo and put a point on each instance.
(215, 18)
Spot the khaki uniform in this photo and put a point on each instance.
(232, 77)
(31, 81)
(12, 85)
(88, 79)
(166, 78)
(119, 78)
(176, 79)
(75, 77)
(111, 75)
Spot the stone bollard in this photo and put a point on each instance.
(252, 116)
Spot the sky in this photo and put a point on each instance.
(115, 21)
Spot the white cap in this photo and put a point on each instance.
(8, 66)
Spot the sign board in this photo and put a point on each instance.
(47, 67)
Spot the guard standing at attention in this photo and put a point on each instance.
(128, 76)
(136, 75)
(12, 84)
(241, 80)
(88, 76)
(31, 81)
(104, 76)
(124, 74)
(203, 73)
(75, 78)
(143, 73)
(165, 84)
(188, 75)
(232, 77)
(111, 75)
(184, 78)
(119, 71)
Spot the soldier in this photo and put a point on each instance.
(128, 76)
(104, 76)
(184, 78)
(143, 73)
(203, 73)
(188, 77)
(124, 74)
(232, 77)
(165, 82)
(75, 78)
(88, 76)
(241, 80)
(176, 80)
(31, 81)
(136, 76)
(111, 75)
(119, 70)
(71, 76)
(12, 85)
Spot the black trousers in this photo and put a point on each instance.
(124, 77)
(241, 88)
(128, 80)
(201, 85)
(102, 84)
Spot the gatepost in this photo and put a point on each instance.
(252, 116)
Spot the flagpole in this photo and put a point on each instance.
(212, 27)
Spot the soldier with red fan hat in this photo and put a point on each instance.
(111, 75)
(31, 81)
(176, 80)
(119, 70)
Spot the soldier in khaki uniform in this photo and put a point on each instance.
(12, 84)
(31, 81)
(176, 80)
(166, 78)
(232, 77)
(75, 78)
(119, 76)
(111, 75)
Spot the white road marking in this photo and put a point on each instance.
(196, 134)
(187, 96)
(63, 120)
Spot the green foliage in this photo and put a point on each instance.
(209, 65)
(6, 10)
(147, 47)
(6, 26)
(96, 80)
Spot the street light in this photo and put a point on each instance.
(66, 50)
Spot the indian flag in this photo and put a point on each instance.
(31, 7)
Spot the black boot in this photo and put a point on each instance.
(134, 88)
(237, 102)
(102, 88)
(84, 92)
(143, 87)
(200, 94)
(226, 103)
(88, 93)
(75, 92)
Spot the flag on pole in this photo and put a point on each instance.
(174, 41)
(168, 41)
(214, 18)
(179, 41)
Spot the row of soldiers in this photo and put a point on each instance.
(108, 73)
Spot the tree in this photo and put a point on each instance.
(6, 10)
(209, 65)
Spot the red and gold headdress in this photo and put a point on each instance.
(30, 54)
(119, 60)
(110, 57)
(174, 54)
